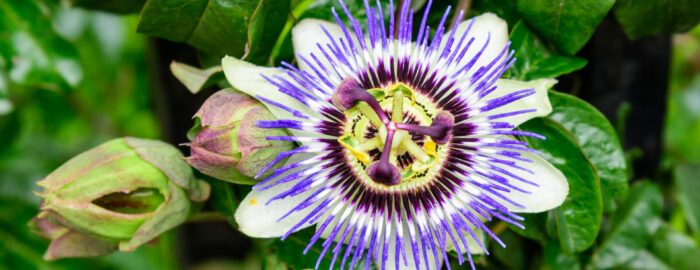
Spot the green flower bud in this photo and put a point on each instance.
(228, 145)
(118, 195)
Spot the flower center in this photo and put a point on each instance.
(393, 134)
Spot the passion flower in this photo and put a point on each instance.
(407, 144)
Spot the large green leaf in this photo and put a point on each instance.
(534, 60)
(644, 260)
(578, 218)
(264, 29)
(557, 259)
(505, 9)
(643, 18)
(535, 227)
(567, 24)
(35, 55)
(675, 249)
(632, 227)
(599, 142)
(688, 193)
(514, 256)
(116, 6)
(217, 26)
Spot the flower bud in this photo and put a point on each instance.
(118, 195)
(228, 145)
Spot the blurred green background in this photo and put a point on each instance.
(72, 78)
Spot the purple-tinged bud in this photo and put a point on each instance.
(229, 146)
(116, 196)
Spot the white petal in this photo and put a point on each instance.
(256, 219)
(539, 100)
(307, 33)
(246, 77)
(551, 192)
(484, 24)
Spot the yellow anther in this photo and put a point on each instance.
(430, 147)
(361, 156)
(431, 150)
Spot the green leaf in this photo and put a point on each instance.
(578, 218)
(515, 255)
(599, 142)
(682, 124)
(535, 226)
(533, 59)
(5, 103)
(644, 260)
(557, 259)
(266, 23)
(632, 226)
(644, 18)
(505, 9)
(196, 79)
(35, 54)
(115, 6)
(676, 249)
(567, 24)
(217, 26)
(688, 193)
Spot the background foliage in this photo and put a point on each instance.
(75, 73)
